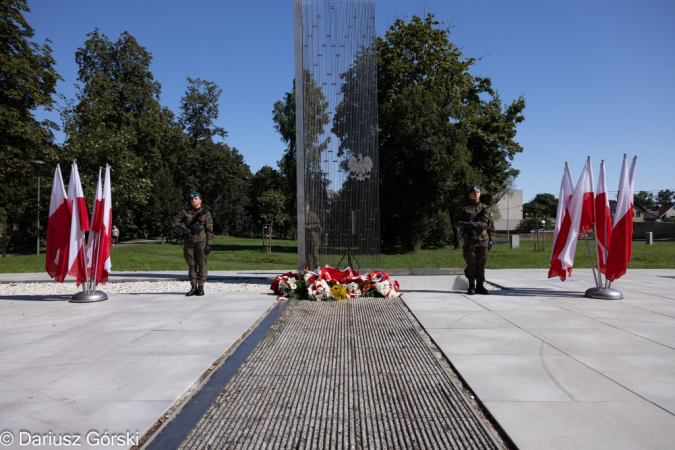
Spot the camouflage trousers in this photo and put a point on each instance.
(193, 252)
(475, 256)
(313, 250)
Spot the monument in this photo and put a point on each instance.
(337, 134)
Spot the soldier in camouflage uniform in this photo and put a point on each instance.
(197, 228)
(478, 233)
(313, 235)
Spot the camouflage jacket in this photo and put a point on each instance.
(468, 213)
(200, 223)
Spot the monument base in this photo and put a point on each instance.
(604, 294)
(83, 297)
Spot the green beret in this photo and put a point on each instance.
(475, 187)
(195, 194)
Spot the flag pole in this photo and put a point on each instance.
(590, 258)
(97, 249)
(91, 295)
(606, 292)
(598, 282)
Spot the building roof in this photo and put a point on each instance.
(660, 211)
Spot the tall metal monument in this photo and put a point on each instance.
(336, 133)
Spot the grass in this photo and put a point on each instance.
(236, 253)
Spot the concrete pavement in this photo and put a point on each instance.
(558, 370)
(555, 369)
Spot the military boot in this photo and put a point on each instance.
(472, 287)
(200, 290)
(481, 289)
(192, 291)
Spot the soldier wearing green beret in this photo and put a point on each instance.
(196, 225)
(478, 232)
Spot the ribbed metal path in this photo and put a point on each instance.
(347, 374)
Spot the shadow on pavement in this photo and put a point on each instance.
(38, 298)
(534, 292)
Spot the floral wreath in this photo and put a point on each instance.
(333, 284)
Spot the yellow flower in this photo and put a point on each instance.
(339, 292)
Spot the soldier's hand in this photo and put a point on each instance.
(185, 230)
(207, 250)
(489, 245)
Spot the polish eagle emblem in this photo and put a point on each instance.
(360, 167)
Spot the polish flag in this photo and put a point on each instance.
(58, 230)
(631, 183)
(562, 226)
(620, 247)
(603, 224)
(95, 227)
(581, 209)
(101, 226)
(78, 225)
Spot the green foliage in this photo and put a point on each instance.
(163, 205)
(27, 82)
(265, 179)
(541, 207)
(283, 115)
(117, 119)
(440, 129)
(665, 197)
(200, 111)
(644, 199)
(316, 118)
(271, 204)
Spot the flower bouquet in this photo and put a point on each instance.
(333, 284)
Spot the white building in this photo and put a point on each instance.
(510, 211)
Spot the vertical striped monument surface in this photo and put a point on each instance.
(336, 133)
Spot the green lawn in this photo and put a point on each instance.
(234, 253)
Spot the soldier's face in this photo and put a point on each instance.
(196, 202)
(475, 195)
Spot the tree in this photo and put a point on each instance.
(316, 118)
(441, 129)
(164, 203)
(265, 179)
(200, 111)
(644, 199)
(212, 168)
(27, 82)
(117, 119)
(665, 197)
(271, 207)
(542, 206)
(283, 115)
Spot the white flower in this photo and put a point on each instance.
(287, 285)
(353, 288)
(385, 288)
(382, 287)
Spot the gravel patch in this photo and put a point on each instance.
(136, 287)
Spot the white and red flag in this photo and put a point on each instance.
(620, 247)
(98, 246)
(58, 230)
(631, 184)
(79, 223)
(95, 227)
(562, 226)
(603, 219)
(581, 209)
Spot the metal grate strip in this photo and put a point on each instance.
(347, 374)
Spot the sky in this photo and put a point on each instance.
(596, 75)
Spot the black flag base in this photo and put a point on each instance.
(603, 293)
(89, 297)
